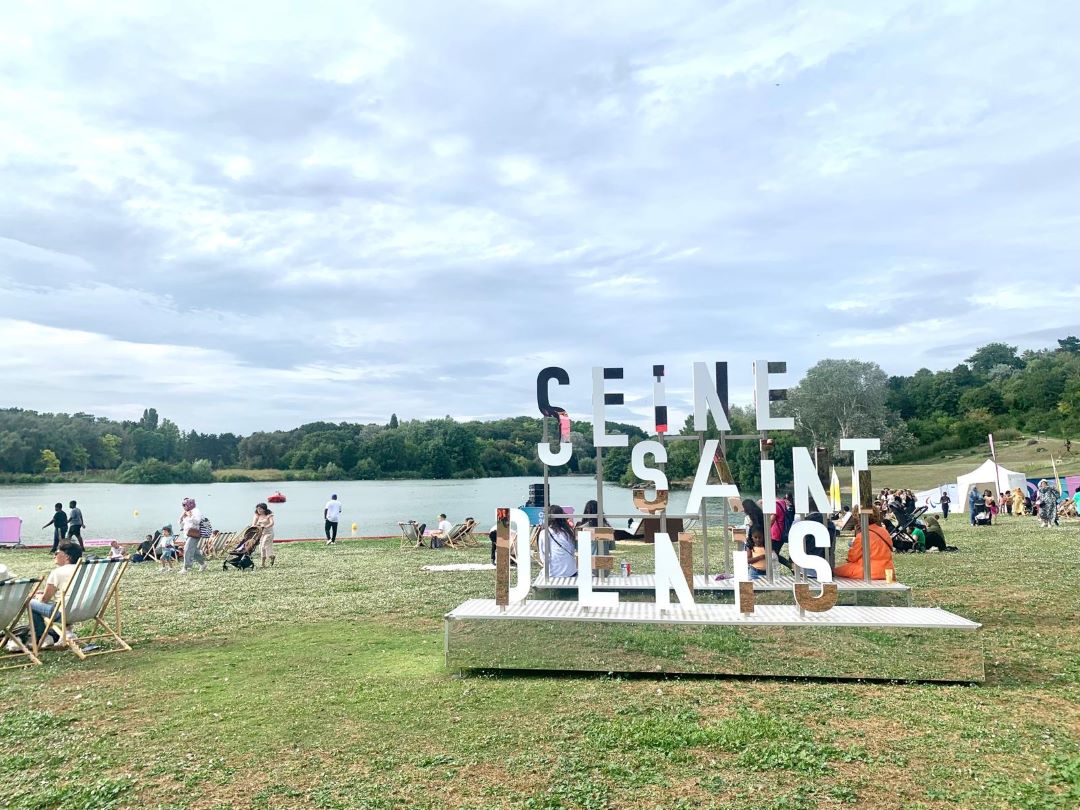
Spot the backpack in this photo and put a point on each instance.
(789, 519)
(205, 529)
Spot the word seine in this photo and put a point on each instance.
(710, 398)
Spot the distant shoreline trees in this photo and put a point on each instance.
(915, 416)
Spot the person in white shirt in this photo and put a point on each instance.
(332, 514)
(440, 532)
(41, 608)
(563, 562)
(189, 528)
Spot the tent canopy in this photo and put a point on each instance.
(1007, 480)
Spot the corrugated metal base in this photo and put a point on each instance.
(890, 643)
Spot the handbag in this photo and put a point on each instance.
(192, 532)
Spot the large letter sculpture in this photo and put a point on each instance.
(669, 575)
(826, 597)
(587, 597)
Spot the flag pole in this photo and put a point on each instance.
(997, 470)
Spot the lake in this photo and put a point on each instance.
(130, 511)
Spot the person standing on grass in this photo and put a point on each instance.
(75, 524)
(945, 501)
(189, 525)
(973, 504)
(264, 522)
(59, 523)
(331, 515)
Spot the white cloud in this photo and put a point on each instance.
(330, 210)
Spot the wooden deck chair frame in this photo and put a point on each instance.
(460, 536)
(224, 540)
(15, 596)
(100, 579)
(410, 534)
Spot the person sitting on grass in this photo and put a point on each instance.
(881, 549)
(116, 552)
(42, 606)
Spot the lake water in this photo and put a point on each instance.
(130, 511)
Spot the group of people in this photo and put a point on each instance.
(66, 525)
(167, 548)
(984, 508)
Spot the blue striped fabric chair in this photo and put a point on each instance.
(91, 589)
(15, 595)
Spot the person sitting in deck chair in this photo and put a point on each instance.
(41, 608)
(440, 532)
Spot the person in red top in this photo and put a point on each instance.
(881, 548)
(776, 527)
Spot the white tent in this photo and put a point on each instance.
(1007, 481)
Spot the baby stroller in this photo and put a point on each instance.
(983, 516)
(900, 533)
(240, 555)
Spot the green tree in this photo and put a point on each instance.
(992, 354)
(50, 462)
(393, 421)
(839, 399)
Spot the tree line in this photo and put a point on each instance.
(995, 389)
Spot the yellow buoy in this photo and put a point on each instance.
(354, 530)
(135, 513)
(39, 507)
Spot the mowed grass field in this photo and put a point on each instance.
(320, 684)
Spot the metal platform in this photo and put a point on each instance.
(893, 643)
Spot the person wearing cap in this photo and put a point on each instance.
(189, 526)
(331, 515)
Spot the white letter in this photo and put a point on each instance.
(706, 399)
(519, 523)
(799, 555)
(702, 488)
(807, 483)
(601, 438)
(587, 597)
(765, 419)
(861, 460)
(768, 489)
(669, 575)
(543, 450)
(637, 462)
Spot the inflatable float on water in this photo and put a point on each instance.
(277, 497)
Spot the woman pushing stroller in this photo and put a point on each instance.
(264, 522)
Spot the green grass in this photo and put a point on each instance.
(320, 684)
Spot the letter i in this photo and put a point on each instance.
(659, 400)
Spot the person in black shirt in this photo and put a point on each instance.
(59, 523)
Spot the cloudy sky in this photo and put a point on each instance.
(250, 216)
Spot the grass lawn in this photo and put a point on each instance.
(320, 684)
(1027, 455)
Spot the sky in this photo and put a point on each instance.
(255, 215)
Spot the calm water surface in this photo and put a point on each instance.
(129, 511)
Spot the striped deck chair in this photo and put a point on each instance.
(87, 596)
(460, 536)
(15, 595)
(224, 540)
(411, 534)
